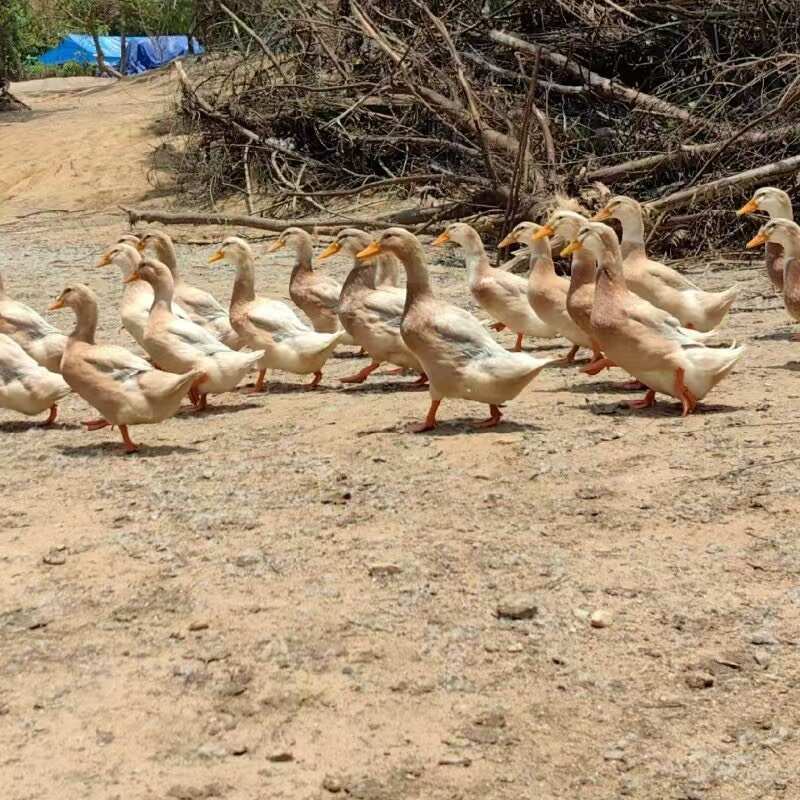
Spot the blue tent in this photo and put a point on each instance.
(144, 52)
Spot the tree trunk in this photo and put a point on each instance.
(101, 59)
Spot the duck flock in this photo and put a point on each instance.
(630, 311)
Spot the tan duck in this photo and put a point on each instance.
(123, 387)
(459, 356)
(201, 306)
(137, 295)
(25, 385)
(371, 311)
(181, 346)
(36, 336)
(547, 291)
(503, 295)
(778, 205)
(271, 325)
(313, 292)
(786, 234)
(636, 340)
(661, 285)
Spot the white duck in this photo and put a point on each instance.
(503, 295)
(456, 351)
(36, 336)
(271, 325)
(123, 387)
(25, 385)
(201, 306)
(179, 345)
(369, 311)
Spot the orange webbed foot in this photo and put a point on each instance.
(645, 402)
(493, 420)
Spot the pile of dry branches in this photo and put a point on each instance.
(473, 109)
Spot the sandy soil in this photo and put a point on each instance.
(291, 597)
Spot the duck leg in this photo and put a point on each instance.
(795, 337)
(130, 447)
(645, 402)
(202, 403)
(498, 326)
(570, 357)
(315, 382)
(429, 422)
(518, 346)
(688, 400)
(495, 416)
(52, 417)
(632, 385)
(363, 374)
(96, 424)
(421, 381)
(259, 387)
(598, 365)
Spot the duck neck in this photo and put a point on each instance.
(244, 287)
(418, 282)
(162, 294)
(609, 273)
(791, 246)
(541, 259)
(304, 250)
(360, 277)
(165, 250)
(583, 270)
(85, 322)
(475, 260)
(632, 233)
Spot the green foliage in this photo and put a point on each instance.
(15, 36)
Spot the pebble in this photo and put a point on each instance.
(762, 659)
(614, 755)
(280, 756)
(382, 570)
(763, 638)
(699, 680)
(455, 761)
(198, 625)
(248, 558)
(518, 607)
(332, 784)
(55, 557)
(211, 750)
(239, 749)
(600, 619)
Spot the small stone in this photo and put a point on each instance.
(614, 755)
(239, 749)
(699, 680)
(211, 750)
(600, 619)
(198, 625)
(518, 607)
(581, 614)
(455, 761)
(280, 756)
(491, 719)
(763, 638)
(55, 557)
(762, 658)
(516, 647)
(332, 784)
(384, 570)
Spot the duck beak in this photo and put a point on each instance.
(104, 261)
(372, 249)
(331, 250)
(442, 239)
(56, 305)
(218, 256)
(276, 246)
(758, 239)
(603, 213)
(509, 240)
(134, 276)
(544, 231)
(140, 245)
(571, 248)
(749, 207)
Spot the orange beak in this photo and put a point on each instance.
(140, 245)
(758, 239)
(331, 250)
(603, 213)
(749, 207)
(104, 261)
(543, 232)
(509, 240)
(442, 239)
(134, 276)
(372, 249)
(218, 256)
(56, 305)
(276, 246)
(571, 248)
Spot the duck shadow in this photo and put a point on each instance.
(790, 366)
(292, 388)
(347, 355)
(663, 409)
(595, 387)
(23, 426)
(382, 387)
(456, 426)
(187, 412)
(113, 448)
(775, 336)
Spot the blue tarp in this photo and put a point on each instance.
(144, 52)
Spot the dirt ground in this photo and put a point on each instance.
(291, 597)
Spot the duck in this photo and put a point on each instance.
(137, 295)
(547, 292)
(201, 306)
(785, 234)
(635, 340)
(180, 345)
(314, 293)
(123, 387)
(457, 353)
(43, 342)
(661, 285)
(25, 385)
(778, 205)
(371, 310)
(271, 325)
(503, 295)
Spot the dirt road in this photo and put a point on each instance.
(292, 597)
